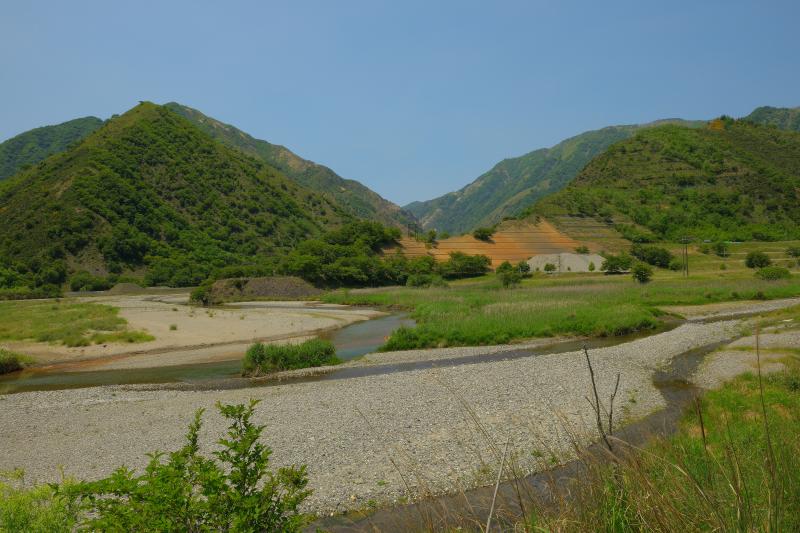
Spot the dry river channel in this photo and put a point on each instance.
(388, 428)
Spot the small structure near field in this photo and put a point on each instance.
(565, 262)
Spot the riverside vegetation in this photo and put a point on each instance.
(184, 490)
(266, 358)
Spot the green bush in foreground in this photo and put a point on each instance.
(265, 358)
(234, 491)
(773, 273)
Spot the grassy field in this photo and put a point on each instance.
(480, 312)
(734, 465)
(64, 322)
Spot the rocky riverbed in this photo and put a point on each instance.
(366, 440)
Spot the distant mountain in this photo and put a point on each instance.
(783, 117)
(516, 183)
(35, 145)
(149, 192)
(349, 194)
(732, 180)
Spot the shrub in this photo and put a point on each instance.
(793, 251)
(83, 281)
(38, 508)
(510, 277)
(773, 273)
(185, 491)
(524, 268)
(425, 280)
(202, 294)
(549, 268)
(616, 264)
(757, 260)
(721, 249)
(592, 268)
(642, 272)
(483, 234)
(461, 265)
(676, 264)
(583, 250)
(265, 358)
(652, 255)
(11, 361)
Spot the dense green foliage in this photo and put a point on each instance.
(731, 180)
(351, 195)
(652, 255)
(514, 184)
(616, 264)
(31, 147)
(642, 272)
(757, 259)
(150, 190)
(483, 234)
(266, 358)
(773, 273)
(235, 491)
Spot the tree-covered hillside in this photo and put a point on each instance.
(351, 195)
(35, 145)
(516, 183)
(784, 118)
(151, 193)
(729, 180)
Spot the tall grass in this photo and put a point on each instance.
(734, 465)
(481, 314)
(266, 358)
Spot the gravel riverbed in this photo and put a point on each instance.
(366, 440)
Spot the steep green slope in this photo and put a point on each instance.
(782, 117)
(516, 183)
(150, 192)
(349, 194)
(35, 145)
(730, 180)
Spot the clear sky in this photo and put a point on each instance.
(412, 98)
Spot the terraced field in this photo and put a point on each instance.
(514, 241)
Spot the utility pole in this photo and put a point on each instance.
(686, 240)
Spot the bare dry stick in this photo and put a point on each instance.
(611, 408)
(497, 485)
(596, 404)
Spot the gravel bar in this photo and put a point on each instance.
(366, 440)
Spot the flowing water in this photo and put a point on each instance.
(351, 341)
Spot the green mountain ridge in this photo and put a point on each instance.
(784, 118)
(516, 183)
(730, 180)
(151, 193)
(351, 195)
(35, 145)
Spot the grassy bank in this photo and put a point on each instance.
(64, 322)
(734, 465)
(483, 313)
(268, 358)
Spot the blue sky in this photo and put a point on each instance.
(414, 99)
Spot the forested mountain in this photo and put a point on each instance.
(728, 180)
(149, 192)
(516, 183)
(349, 194)
(782, 117)
(35, 145)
